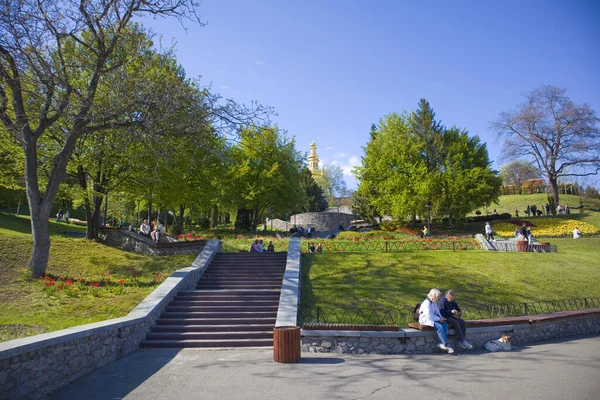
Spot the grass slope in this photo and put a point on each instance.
(399, 280)
(28, 307)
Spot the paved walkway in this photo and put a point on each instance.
(561, 369)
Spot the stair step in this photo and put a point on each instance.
(216, 321)
(231, 303)
(220, 314)
(221, 309)
(209, 335)
(225, 286)
(213, 328)
(208, 343)
(231, 292)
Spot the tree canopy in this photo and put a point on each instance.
(266, 172)
(412, 161)
(548, 128)
(517, 172)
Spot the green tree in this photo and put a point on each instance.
(412, 161)
(266, 173)
(332, 182)
(517, 172)
(40, 83)
(315, 198)
(561, 137)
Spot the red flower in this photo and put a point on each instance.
(121, 281)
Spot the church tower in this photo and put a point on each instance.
(313, 162)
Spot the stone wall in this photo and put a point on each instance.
(411, 341)
(325, 221)
(131, 241)
(33, 367)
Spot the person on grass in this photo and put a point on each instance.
(452, 312)
(429, 315)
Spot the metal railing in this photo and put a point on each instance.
(403, 316)
(387, 246)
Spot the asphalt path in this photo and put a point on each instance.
(559, 369)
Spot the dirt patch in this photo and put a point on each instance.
(9, 332)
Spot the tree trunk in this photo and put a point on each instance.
(554, 187)
(180, 222)
(149, 211)
(214, 216)
(41, 239)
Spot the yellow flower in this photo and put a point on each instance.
(547, 227)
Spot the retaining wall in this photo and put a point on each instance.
(33, 367)
(325, 221)
(410, 341)
(131, 241)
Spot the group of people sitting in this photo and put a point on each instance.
(313, 249)
(442, 313)
(258, 247)
(153, 231)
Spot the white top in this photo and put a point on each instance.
(145, 228)
(429, 313)
(576, 233)
(488, 229)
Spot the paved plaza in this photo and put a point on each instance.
(558, 369)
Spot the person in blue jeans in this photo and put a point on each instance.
(429, 315)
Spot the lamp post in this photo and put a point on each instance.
(428, 205)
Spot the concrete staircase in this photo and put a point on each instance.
(234, 305)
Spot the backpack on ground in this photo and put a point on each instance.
(416, 312)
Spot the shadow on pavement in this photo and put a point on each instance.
(117, 379)
(308, 360)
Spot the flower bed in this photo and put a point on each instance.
(545, 227)
(106, 285)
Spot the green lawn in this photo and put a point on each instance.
(400, 280)
(30, 307)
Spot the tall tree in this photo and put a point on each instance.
(412, 161)
(40, 82)
(561, 137)
(332, 182)
(517, 172)
(315, 198)
(266, 173)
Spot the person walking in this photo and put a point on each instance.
(489, 231)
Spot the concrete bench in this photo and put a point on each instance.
(525, 319)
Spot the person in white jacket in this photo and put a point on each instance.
(429, 315)
(489, 231)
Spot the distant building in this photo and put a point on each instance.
(313, 162)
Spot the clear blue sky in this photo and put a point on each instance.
(332, 68)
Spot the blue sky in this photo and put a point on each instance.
(332, 68)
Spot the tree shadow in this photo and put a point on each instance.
(116, 380)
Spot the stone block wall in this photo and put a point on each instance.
(410, 341)
(325, 221)
(131, 241)
(34, 367)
